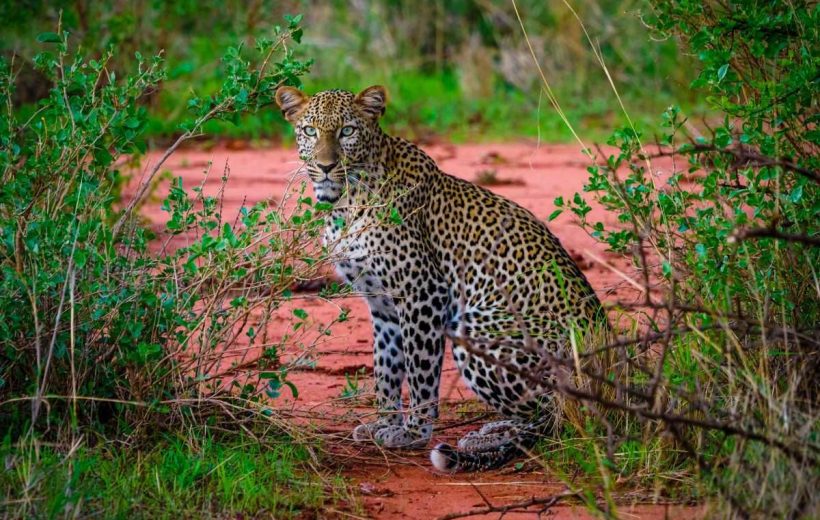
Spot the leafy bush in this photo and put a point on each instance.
(108, 332)
(90, 311)
(722, 229)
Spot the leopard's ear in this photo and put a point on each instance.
(372, 100)
(292, 101)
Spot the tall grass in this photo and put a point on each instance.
(198, 475)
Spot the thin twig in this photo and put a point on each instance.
(545, 504)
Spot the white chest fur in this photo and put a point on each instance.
(349, 250)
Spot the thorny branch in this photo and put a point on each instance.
(744, 234)
(544, 504)
(744, 157)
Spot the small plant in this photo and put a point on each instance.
(353, 387)
(98, 314)
(490, 178)
(487, 178)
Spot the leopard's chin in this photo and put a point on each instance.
(327, 198)
(327, 191)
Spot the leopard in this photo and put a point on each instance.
(440, 258)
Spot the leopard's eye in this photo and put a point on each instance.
(347, 131)
(309, 130)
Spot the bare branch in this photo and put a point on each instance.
(743, 234)
(545, 504)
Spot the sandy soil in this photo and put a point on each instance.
(403, 484)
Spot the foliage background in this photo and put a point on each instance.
(458, 67)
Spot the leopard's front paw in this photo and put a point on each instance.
(400, 437)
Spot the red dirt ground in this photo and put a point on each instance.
(403, 484)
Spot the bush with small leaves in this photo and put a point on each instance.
(727, 247)
(98, 329)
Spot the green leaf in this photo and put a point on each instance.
(796, 194)
(148, 351)
(293, 21)
(49, 37)
(554, 214)
(300, 313)
(722, 72)
(273, 388)
(293, 389)
(395, 217)
(80, 258)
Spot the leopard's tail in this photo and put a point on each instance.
(448, 459)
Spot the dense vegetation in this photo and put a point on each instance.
(111, 381)
(110, 337)
(724, 355)
(456, 67)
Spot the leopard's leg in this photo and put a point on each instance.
(388, 367)
(421, 313)
(498, 365)
(492, 374)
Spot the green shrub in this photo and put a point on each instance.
(725, 244)
(115, 348)
(97, 328)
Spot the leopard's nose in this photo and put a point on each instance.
(327, 167)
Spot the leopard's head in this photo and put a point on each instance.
(337, 134)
